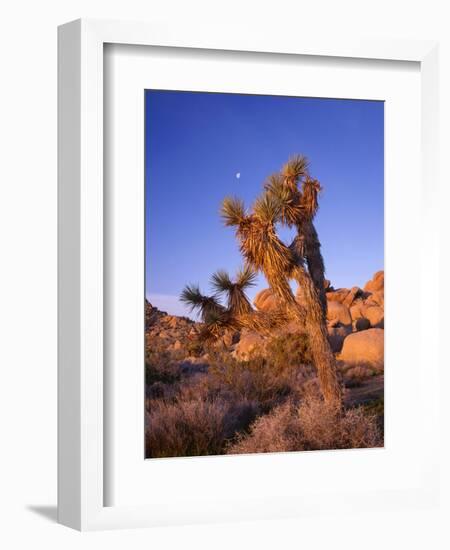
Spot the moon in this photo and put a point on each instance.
(238, 175)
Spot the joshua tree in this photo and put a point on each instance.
(290, 197)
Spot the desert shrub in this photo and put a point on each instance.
(376, 408)
(322, 428)
(257, 379)
(195, 348)
(194, 427)
(268, 434)
(355, 375)
(159, 367)
(162, 371)
(288, 350)
(312, 425)
(160, 390)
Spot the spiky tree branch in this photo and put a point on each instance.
(237, 301)
(206, 306)
(216, 326)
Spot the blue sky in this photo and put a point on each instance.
(197, 143)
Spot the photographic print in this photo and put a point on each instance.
(264, 274)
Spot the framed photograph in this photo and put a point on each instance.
(236, 218)
(235, 370)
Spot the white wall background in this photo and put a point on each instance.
(28, 270)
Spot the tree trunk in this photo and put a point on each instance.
(314, 260)
(325, 364)
(316, 329)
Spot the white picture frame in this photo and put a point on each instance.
(81, 407)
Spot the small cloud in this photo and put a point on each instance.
(238, 175)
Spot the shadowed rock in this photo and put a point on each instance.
(362, 324)
(337, 335)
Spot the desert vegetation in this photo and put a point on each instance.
(296, 370)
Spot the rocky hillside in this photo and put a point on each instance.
(169, 332)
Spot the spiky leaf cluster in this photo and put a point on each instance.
(234, 291)
(295, 169)
(219, 318)
(288, 199)
(233, 211)
(206, 306)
